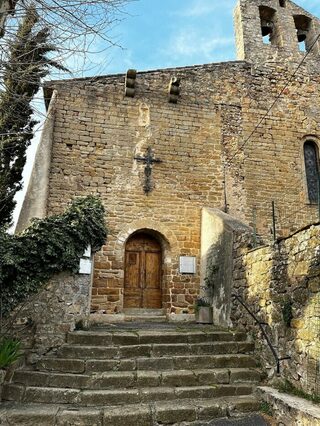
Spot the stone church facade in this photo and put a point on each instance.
(168, 150)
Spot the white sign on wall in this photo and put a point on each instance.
(187, 265)
(85, 266)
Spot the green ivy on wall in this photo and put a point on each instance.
(47, 247)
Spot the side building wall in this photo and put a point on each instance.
(280, 283)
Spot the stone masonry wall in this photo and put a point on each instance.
(210, 158)
(275, 281)
(43, 321)
(98, 132)
(221, 147)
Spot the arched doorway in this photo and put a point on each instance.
(143, 265)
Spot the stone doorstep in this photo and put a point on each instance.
(140, 316)
(107, 338)
(162, 363)
(155, 349)
(290, 408)
(51, 395)
(164, 412)
(178, 378)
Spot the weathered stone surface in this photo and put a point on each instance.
(291, 409)
(51, 395)
(12, 392)
(148, 378)
(157, 394)
(90, 339)
(29, 416)
(285, 288)
(95, 352)
(83, 417)
(211, 410)
(62, 365)
(207, 377)
(167, 413)
(109, 397)
(52, 313)
(139, 416)
(242, 404)
(242, 376)
(178, 378)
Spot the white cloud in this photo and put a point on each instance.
(203, 7)
(190, 43)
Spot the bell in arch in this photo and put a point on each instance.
(266, 27)
(302, 35)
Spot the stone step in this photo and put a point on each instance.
(144, 312)
(144, 318)
(154, 350)
(68, 365)
(137, 379)
(51, 395)
(161, 412)
(107, 338)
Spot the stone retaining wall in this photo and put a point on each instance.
(277, 282)
(290, 410)
(44, 319)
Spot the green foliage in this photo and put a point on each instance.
(287, 387)
(48, 246)
(9, 352)
(287, 314)
(23, 70)
(266, 408)
(201, 302)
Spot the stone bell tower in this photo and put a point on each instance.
(269, 30)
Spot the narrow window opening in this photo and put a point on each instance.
(267, 21)
(303, 25)
(282, 3)
(311, 160)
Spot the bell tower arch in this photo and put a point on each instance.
(269, 30)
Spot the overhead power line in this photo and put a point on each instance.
(276, 99)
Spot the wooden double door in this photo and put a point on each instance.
(142, 282)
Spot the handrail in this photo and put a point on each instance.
(263, 331)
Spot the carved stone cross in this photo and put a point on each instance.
(148, 160)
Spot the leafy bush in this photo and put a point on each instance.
(47, 247)
(9, 352)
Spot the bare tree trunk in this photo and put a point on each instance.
(6, 7)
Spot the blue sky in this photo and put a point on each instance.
(169, 33)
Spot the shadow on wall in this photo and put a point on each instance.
(218, 237)
(281, 284)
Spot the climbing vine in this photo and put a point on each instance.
(48, 246)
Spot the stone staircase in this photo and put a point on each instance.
(145, 376)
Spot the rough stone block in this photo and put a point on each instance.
(148, 378)
(62, 365)
(51, 395)
(170, 413)
(139, 416)
(79, 417)
(178, 378)
(31, 416)
(109, 397)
